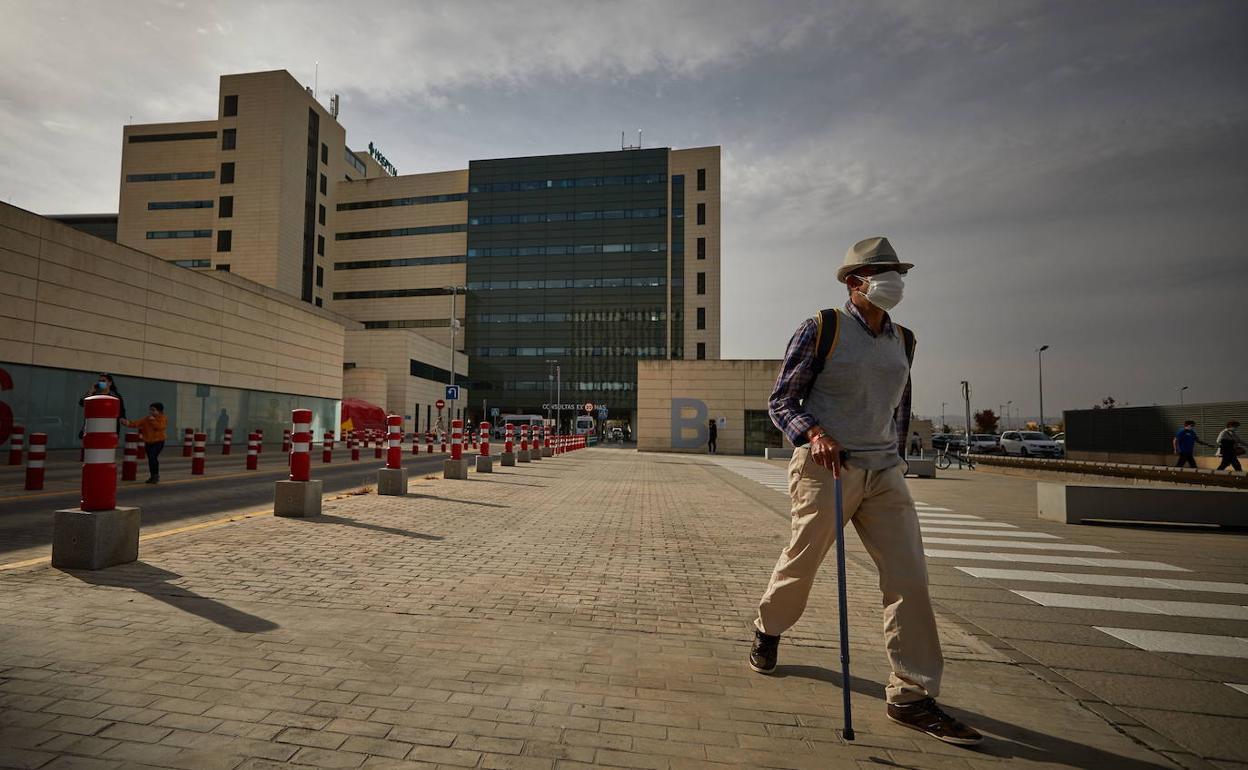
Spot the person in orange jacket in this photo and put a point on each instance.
(152, 429)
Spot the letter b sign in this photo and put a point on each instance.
(688, 423)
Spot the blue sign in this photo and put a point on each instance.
(493, 411)
(602, 413)
(452, 392)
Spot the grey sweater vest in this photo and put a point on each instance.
(856, 394)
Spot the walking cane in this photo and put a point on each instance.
(843, 602)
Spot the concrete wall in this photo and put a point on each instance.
(366, 384)
(69, 300)
(391, 350)
(687, 389)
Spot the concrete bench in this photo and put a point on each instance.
(923, 467)
(1077, 503)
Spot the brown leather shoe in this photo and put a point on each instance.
(926, 717)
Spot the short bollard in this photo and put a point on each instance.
(547, 449)
(260, 439)
(301, 495)
(97, 534)
(130, 458)
(456, 467)
(15, 445)
(415, 443)
(285, 441)
(392, 479)
(227, 441)
(197, 454)
(377, 445)
(485, 463)
(354, 445)
(188, 441)
(535, 443)
(523, 454)
(253, 451)
(429, 442)
(327, 449)
(509, 446)
(443, 449)
(35, 458)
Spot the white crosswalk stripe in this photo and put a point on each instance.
(1241, 687)
(988, 532)
(1177, 641)
(1068, 561)
(1018, 544)
(963, 523)
(1087, 578)
(950, 517)
(1143, 606)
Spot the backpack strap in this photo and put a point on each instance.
(907, 339)
(827, 334)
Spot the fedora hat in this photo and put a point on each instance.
(870, 251)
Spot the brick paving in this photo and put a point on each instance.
(590, 610)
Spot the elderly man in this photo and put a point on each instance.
(843, 399)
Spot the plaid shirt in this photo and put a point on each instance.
(797, 374)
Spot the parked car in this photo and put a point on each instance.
(1029, 443)
(985, 443)
(1060, 440)
(954, 441)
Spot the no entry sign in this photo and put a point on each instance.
(589, 408)
(439, 403)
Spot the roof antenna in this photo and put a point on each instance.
(316, 78)
(630, 146)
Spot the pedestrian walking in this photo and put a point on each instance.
(1230, 446)
(712, 434)
(843, 399)
(152, 429)
(1185, 442)
(916, 443)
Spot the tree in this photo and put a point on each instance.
(946, 429)
(1109, 402)
(986, 421)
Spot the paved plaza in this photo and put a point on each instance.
(594, 610)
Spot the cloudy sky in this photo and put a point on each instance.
(1064, 173)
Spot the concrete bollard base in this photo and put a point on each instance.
(297, 499)
(509, 459)
(548, 451)
(455, 469)
(535, 453)
(94, 539)
(485, 464)
(392, 481)
(523, 456)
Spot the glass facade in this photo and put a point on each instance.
(591, 232)
(45, 400)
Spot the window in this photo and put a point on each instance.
(701, 248)
(320, 276)
(163, 205)
(426, 230)
(192, 262)
(318, 302)
(229, 108)
(389, 293)
(701, 213)
(223, 268)
(701, 179)
(701, 351)
(225, 206)
(324, 185)
(227, 173)
(416, 201)
(354, 162)
(320, 214)
(320, 245)
(171, 176)
(139, 138)
(701, 283)
(229, 138)
(701, 318)
(583, 181)
(225, 240)
(407, 262)
(324, 153)
(157, 235)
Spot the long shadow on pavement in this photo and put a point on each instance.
(415, 495)
(326, 518)
(155, 582)
(1004, 739)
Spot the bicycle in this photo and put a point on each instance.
(944, 459)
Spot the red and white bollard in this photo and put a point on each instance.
(130, 458)
(415, 443)
(429, 442)
(394, 441)
(99, 443)
(260, 435)
(523, 455)
(197, 455)
(285, 441)
(15, 445)
(443, 447)
(354, 445)
(377, 439)
(227, 441)
(188, 441)
(327, 451)
(457, 439)
(509, 445)
(253, 451)
(301, 445)
(485, 463)
(35, 458)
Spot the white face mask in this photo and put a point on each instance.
(883, 290)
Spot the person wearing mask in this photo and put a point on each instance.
(1185, 442)
(846, 408)
(104, 386)
(152, 429)
(1230, 447)
(712, 433)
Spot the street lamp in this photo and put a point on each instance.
(1181, 394)
(1040, 368)
(558, 394)
(454, 324)
(1008, 404)
(942, 416)
(966, 395)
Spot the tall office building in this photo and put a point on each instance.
(489, 275)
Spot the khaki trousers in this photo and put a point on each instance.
(880, 506)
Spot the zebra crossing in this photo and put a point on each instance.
(964, 541)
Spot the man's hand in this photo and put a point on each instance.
(825, 451)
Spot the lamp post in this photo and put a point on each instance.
(454, 325)
(1008, 404)
(558, 393)
(966, 395)
(1181, 394)
(1040, 368)
(942, 416)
